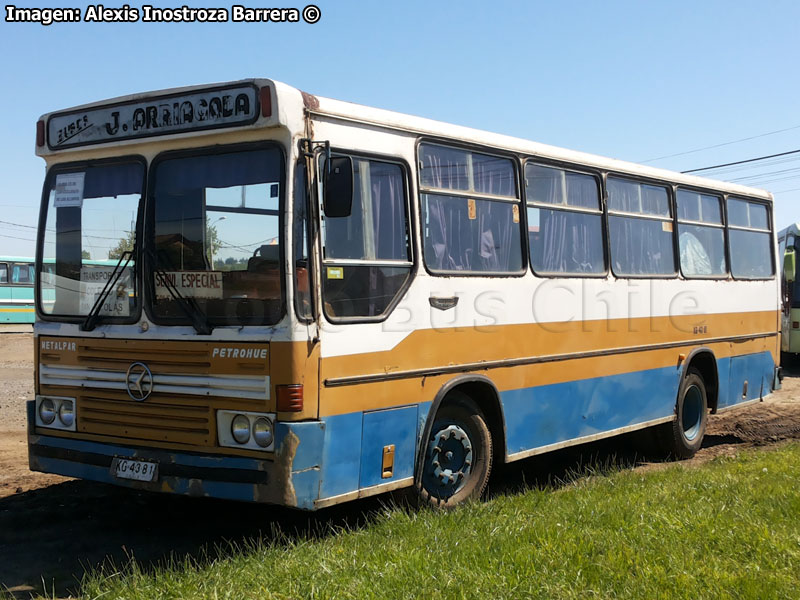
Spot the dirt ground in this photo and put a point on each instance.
(53, 528)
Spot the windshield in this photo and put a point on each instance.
(90, 221)
(216, 243)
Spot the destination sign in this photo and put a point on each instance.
(208, 109)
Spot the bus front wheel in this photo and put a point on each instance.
(458, 454)
(683, 436)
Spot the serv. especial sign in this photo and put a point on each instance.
(189, 284)
(178, 113)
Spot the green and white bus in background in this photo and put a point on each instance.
(16, 289)
(788, 242)
(17, 285)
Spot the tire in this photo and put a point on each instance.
(458, 455)
(683, 436)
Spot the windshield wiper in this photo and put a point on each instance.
(189, 307)
(91, 318)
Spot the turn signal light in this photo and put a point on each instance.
(39, 134)
(290, 398)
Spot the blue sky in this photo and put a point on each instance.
(630, 80)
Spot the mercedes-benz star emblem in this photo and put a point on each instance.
(139, 381)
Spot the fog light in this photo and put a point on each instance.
(66, 413)
(240, 429)
(262, 432)
(47, 411)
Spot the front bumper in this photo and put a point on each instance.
(291, 477)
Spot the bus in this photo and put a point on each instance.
(790, 288)
(16, 289)
(312, 301)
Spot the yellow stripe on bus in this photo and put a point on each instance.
(425, 349)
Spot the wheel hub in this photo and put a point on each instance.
(450, 451)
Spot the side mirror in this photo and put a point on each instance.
(337, 198)
(789, 266)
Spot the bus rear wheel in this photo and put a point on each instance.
(458, 454)
(683, 436)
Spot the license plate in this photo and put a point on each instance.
(138, 470)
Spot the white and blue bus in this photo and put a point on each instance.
(310, 301)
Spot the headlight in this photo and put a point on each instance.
(66, 413)
(47, 411)
(240, 429)
(262, 432)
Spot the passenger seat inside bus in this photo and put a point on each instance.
(265, 258)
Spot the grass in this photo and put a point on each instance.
(728, 529)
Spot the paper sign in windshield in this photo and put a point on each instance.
(190, 284)
(117, 302)
(69, 189)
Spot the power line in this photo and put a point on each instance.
(741, 162)
(720, 145)
(13, 237)
(777, 179)
(759, 165)
(767, 174)
(19, 225)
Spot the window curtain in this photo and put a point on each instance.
(639, 246)
(113, 180)
(218, 171)
(454, 242)
(569, 242)
(389, 218)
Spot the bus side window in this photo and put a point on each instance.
(701, 237)
(749, 239)
(3, 273)
(470, 211)
(640, 228)
(367, 254)
(21, 274)
(565, 221)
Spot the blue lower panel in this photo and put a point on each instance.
(382, 428)
(755, 370)
(353, 450)
(341, 454)
(555, 413)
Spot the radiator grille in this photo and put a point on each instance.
(190, 381)
(154, 420)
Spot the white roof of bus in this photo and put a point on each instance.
(379, 117)
(357, 112)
